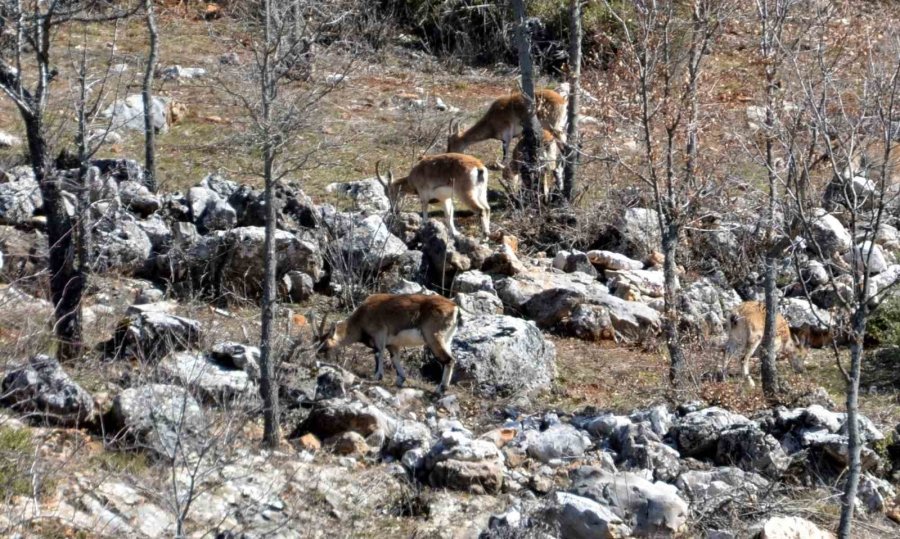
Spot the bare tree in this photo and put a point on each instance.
(667, 74)
(572, 112)
(31, 26)
(852, 108)
(278, 111)
(147, 97)
(531, 128)
(772, 15)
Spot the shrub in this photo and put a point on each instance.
(15, 447)
(883, 327)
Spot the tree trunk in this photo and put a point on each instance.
(66, 282)
(268, 387)
(572, 112)
(768, 362)
(147, 96)
(670, 319)
(848, 501)
(531, 128)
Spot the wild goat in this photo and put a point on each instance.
(546, 159)
(503, 121)
(393, 321)
(440, 177)
(745, 331)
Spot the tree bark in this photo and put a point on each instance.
(768, 367)
(268, 387)
(66, 282)
(147, 96)
(670, 299)
(848, 501)
(572, 112)
(531, 128)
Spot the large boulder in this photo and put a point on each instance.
(160, 418)
(583, 518)
(151, 335)
(25, 254)
(331, 417)
(652, 509)
(458, 462)
(609, 260)
(44, 391)
(867, 255)
(235, 355)
(368, 246)
(209, 210)
(138, 199)
(791, 528)
(211, 380)
(502, 355)
(710, 488)
(752, 450)
(128, 113)
(244, 250)
(549, 296)
(705, 306)
(442, 260)
(648, 283)
(367, 195)
(559, 441)
(638, 229)
(120, 244)
(19, 199)
(828, 234)
(697, 433)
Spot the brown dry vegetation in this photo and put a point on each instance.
(356, 127)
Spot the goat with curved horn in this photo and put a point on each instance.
(440, 178)
(504, 118)
(389, 322)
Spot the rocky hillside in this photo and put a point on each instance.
(560, 421)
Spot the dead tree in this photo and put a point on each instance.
(572, 112)
(31, 27)
(851, 107)
(147, 97)
(278, 112)
(531, 128)
(666, 73)
(772, 15)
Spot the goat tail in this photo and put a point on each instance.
(482, 175)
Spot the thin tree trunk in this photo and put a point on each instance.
(66, 283)
(268, 388)
(572, 112)
(848, 501)
(670, 298)
(768, 366)
(147, 96)
(531, 128)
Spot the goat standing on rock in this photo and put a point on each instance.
(394, 321)
(440, 177)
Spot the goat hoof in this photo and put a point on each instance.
(400, 381)
(379, 376)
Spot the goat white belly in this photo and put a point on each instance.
(407, 338)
